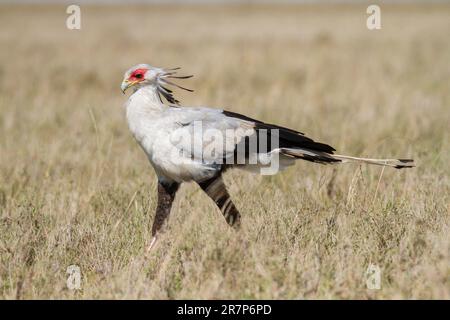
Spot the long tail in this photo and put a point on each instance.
(396, 163)
(325, 157)
(295, 145)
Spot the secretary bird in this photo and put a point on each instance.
(178, 147)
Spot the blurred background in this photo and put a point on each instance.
(76, 189)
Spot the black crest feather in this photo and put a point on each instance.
(163, 82)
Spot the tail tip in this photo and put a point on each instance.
(405, 163)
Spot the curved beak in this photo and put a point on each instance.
(126, 84)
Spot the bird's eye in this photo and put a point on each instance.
(138, 76)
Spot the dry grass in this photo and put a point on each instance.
(76, 189)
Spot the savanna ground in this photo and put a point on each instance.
(75, 189)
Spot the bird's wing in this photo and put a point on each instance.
(215, 135)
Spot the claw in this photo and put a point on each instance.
(152, 243)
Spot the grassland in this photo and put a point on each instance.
(75, 189)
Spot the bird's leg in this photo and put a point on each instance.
(216, 190)
(166, 195)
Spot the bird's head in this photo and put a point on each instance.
(143, 75)
(138, 76)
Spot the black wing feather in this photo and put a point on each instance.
(288, 138)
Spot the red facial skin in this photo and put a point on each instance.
(137, 75)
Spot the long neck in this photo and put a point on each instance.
(145, 100)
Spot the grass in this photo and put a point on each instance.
(76, 189)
